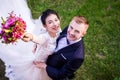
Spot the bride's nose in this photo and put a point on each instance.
(55, 24)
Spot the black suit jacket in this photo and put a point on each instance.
(63, 63)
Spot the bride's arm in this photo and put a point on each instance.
(36, 39)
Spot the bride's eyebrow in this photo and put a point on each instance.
(49, 21)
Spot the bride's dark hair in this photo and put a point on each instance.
(46, 13)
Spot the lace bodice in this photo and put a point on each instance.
(46, 46)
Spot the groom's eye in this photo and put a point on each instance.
(77, 31)
(71, 27)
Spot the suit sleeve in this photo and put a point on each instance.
(69, 67)
(66, 70)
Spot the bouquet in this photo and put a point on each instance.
(12, 29)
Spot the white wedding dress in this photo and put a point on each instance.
(19, 58)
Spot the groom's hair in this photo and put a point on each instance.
(46, 13)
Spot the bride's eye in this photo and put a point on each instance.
(49, 22)
(56, 20)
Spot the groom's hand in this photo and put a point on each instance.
(39, 64)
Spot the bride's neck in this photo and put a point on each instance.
(52, 34)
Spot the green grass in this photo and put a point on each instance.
(102, 45)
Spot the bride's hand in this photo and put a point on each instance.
(27, 37)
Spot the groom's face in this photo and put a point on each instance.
(75, 30)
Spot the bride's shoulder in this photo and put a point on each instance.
(44, 35)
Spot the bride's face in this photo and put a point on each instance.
(52, 24)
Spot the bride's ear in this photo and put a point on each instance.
(44, 26)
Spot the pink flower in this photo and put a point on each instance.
(12, 29)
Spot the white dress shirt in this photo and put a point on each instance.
(63, 43)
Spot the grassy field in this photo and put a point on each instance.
(102, 44)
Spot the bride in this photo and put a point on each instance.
(16, 54)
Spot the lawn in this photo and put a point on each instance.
(102, 45)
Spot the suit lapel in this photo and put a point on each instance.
(71, 47)
(61, 36)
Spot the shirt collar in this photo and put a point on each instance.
(72, 42)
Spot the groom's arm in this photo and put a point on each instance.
(68, 67)
(67, 70)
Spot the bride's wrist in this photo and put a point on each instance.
(31, 39)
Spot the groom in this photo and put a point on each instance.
(69, 52)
